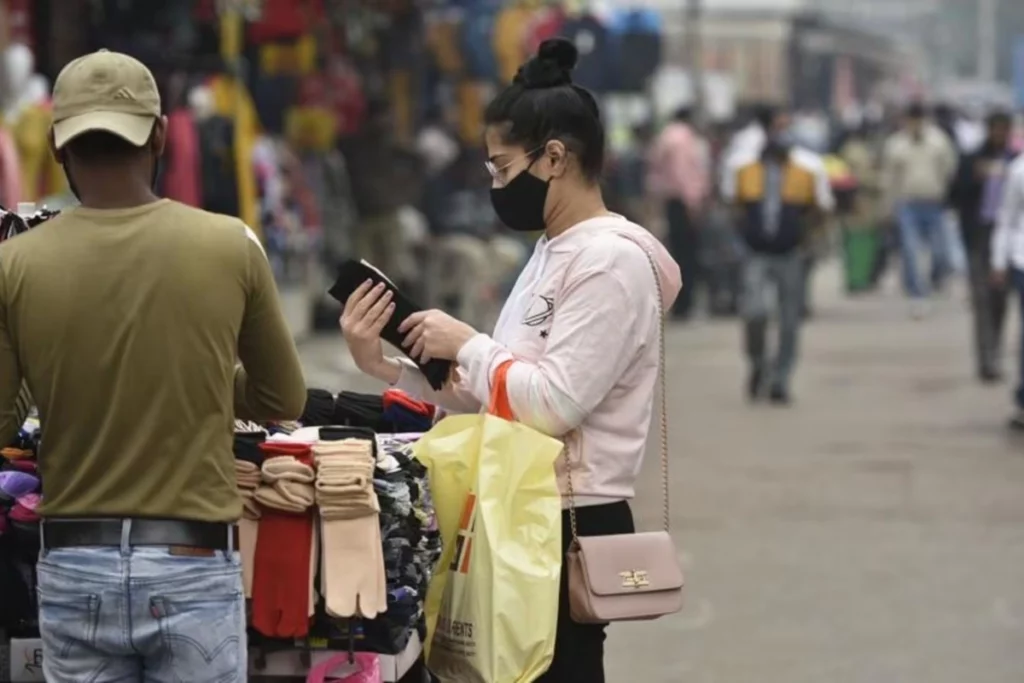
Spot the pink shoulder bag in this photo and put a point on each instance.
(628, 577)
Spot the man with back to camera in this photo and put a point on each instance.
(126, 317)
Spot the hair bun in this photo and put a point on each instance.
(552, 67)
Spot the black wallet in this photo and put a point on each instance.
(354, 273)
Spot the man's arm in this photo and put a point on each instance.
(268, 383)
(12, 414)
(1011, 213)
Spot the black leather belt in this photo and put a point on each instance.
(77, 533)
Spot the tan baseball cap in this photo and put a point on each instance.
(106, 91)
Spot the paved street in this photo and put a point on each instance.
(873, 533)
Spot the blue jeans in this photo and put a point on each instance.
(922, 223)
(141, 615)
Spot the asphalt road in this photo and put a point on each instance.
(871, 533)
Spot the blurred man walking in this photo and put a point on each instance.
(977, 196)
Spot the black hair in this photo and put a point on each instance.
(765, 115)
(917, 110)
(543, 104)
(98, 147)
(999, 118)
(684, 114)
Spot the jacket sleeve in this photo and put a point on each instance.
(600, 325)
(268, 384)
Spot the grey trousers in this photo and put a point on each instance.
(773, 282)
(988, 304)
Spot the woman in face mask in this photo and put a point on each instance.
(581, 325)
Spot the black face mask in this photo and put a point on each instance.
(520, 204)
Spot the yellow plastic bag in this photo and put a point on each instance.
(492, 606)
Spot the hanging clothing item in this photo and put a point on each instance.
(339, 89)
(442, 39)
(329, 181)
(597, 67)
(546, 24)
(218, 168)
(472, 98)
(285, 20)
(41, 175)
(182, 174)
(477, 44)
(510, 28)
(10, 172)
(232, 100)
(637, 34)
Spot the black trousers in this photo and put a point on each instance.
(579, 648)
(683, 245)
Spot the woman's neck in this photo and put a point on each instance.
(591, 205)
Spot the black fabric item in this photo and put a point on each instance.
(342, 433)
(352, 274)
(319, 410)
(359, 410)
(247, 447)
(579, 648)
(644, 50)
(220, 179)
(15, 595)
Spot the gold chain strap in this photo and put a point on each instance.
(663, 416)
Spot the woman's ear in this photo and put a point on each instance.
(557, 156)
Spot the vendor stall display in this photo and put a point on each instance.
(338, 536)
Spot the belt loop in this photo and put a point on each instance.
(126, 537)
(42, 539)
(231, 542)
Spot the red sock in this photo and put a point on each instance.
(399, 397)
(284, 543)
(280, 588)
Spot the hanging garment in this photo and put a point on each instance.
(510, 29)
(637, 34)
(295, 57)
(182, 170)
(472, 98)
(329, 181)
(41, 175)
(546, 24)
(218, 169)
(477, 44)
(233, 101)
(285, 20)
(596, 69)
(442, 40)
(10, 172)
(339, 89)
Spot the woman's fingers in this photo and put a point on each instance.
(369, 299)
(356, 296)
(412, 321)
(382, 319)
(414, 336)
(378, 307)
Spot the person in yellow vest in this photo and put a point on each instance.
(778, 194)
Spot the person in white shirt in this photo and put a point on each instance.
(1008, 258)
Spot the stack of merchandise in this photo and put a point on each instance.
(20, 495)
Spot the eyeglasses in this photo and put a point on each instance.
(499, 173)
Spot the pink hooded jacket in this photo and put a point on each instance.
(582, 323)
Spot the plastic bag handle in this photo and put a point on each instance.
(319, 673)
(499, 403)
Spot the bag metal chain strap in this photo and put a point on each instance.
(663, 418)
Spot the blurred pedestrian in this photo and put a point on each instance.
(977, 196)
(919, 163)
(678, 173)
(778, 194)
(1008, 259)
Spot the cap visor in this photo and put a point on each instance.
(133, 128)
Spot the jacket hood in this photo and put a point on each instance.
(669, 275)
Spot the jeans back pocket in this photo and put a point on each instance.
(203, 637)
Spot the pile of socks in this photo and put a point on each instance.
(352, 575)
(394, 412)
(406, 413)
(282, 575)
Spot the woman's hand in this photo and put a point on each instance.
(434, 334)
(367, 311)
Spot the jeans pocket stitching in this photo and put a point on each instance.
(92, 610)
(162, 608)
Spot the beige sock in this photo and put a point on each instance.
(248, 529)
(352, 575)
(286, 496)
